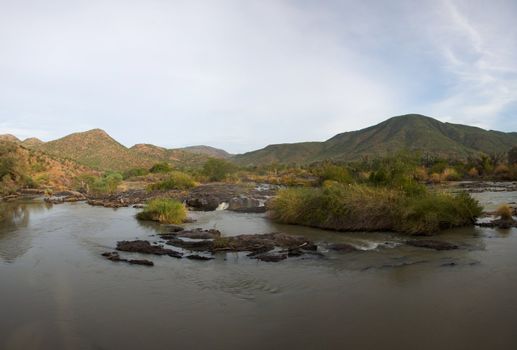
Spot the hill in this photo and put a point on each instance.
(32, 142)
(9, 138)
(24, 167)
(95, 149)
(207, 151)
(411, 132)
(98, 150)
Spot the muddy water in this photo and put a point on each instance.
(57, 292)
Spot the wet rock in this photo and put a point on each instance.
(141, 262)
(342, 247)
(240, 198)
(199, 234)
(268, 257)
(201, 245)
(173, 228)
(499, 223)
(114, 256)
(199, 257)
(432, 244)
(145, 247)
(244, 204)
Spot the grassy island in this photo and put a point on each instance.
(165, 211)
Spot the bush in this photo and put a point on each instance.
(333, 172)
(160, 168)
(167, 211)
(176, 181)
(135, 172)
(363, 208)
(218, 169)
(504, 212)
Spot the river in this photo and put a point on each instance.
(58, 292)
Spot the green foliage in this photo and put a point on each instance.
(359, 207)
(177, 180)
(167, 211)
(218, 169)
(135, 172)
(107, 184)
(429, 213)
(332, 172)
(160, 168)
(512, 156)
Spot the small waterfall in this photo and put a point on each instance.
(222, 206)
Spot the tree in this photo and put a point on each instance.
(160, 168)
(218, 169)
(512, 156)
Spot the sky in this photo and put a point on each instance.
(242, 74)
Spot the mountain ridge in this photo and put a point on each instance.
(413, 132)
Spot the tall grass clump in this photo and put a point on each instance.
(434, 211)
(364, 208)
(175, 181)
(166, 211)
(504, 212)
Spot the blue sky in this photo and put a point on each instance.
(243, 74)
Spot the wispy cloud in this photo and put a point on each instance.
(240, 75)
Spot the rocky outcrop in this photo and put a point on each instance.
(114, 256)
(144, 247)
(432, 244)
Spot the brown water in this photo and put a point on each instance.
(57, 292)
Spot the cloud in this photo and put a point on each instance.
(240, 75)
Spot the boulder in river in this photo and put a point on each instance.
(432, 244)
(114, 256)
(145, 247)
(342, 247)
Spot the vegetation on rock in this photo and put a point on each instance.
(359, 207)
(176, 180)
(165, 211)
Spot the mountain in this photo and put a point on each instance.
(411, 132)
(32, 142)
(178, 157)
(95, 149)
(9, 138)
(21, 167)
(98, 150)
(207, 151)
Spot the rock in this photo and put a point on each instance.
(199, 234)
(342, 247)
(199, 257)
(432, 244)
(173, 228)
(267, 257)
(145, 247)
(499, 223)
(141, 262)
(202, 245)
(114, 256)
(243, 204)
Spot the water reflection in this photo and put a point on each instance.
(15, 240)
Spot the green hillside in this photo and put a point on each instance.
(98, 150)
(408, 132)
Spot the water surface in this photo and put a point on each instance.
(57, 292)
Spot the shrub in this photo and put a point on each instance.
(363, 208)
(504, 212)
(176, 181)
(100, 185)
(333, 172)
(218, 169)
(135, 172)
(160, 168)
(167, 211)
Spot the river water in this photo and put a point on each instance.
(58, 292)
